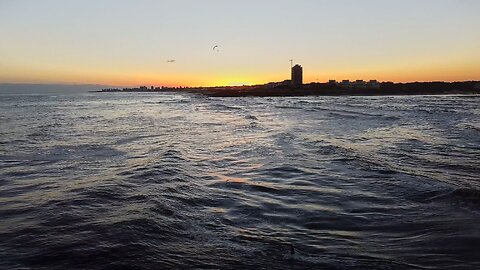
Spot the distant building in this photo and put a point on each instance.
(279, 84)
(346, 84)
(360, 84)
(297, 76)
(332, 82)
(373, 84)
(272, 84)
(287, 83)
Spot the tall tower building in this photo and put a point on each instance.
(297, 76)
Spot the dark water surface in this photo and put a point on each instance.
(152, 181)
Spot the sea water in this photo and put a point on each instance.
(158, 181)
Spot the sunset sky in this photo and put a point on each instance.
(119, 42)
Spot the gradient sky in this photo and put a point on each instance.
(120, 42)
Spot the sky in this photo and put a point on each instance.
(126, 43)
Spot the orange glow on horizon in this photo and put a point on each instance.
(147, 44)
(400, 73)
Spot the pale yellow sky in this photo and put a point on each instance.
(130, 42)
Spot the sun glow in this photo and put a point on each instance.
(232, 81)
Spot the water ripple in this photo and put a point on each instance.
(122, 181)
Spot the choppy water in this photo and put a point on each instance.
(151, 181)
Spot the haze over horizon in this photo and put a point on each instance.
(170, 42)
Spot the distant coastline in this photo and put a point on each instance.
(319, 89)
(38, 88)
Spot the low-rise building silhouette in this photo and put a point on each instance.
(346, 84)
(373, 84)
(360, 84)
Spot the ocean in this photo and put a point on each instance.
(162, 181)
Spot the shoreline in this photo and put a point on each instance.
(319, 89)
(252, 94)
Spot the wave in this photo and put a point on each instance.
(122, 181)
(465, 196)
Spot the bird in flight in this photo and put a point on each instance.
(171, 61)
(216, 48)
